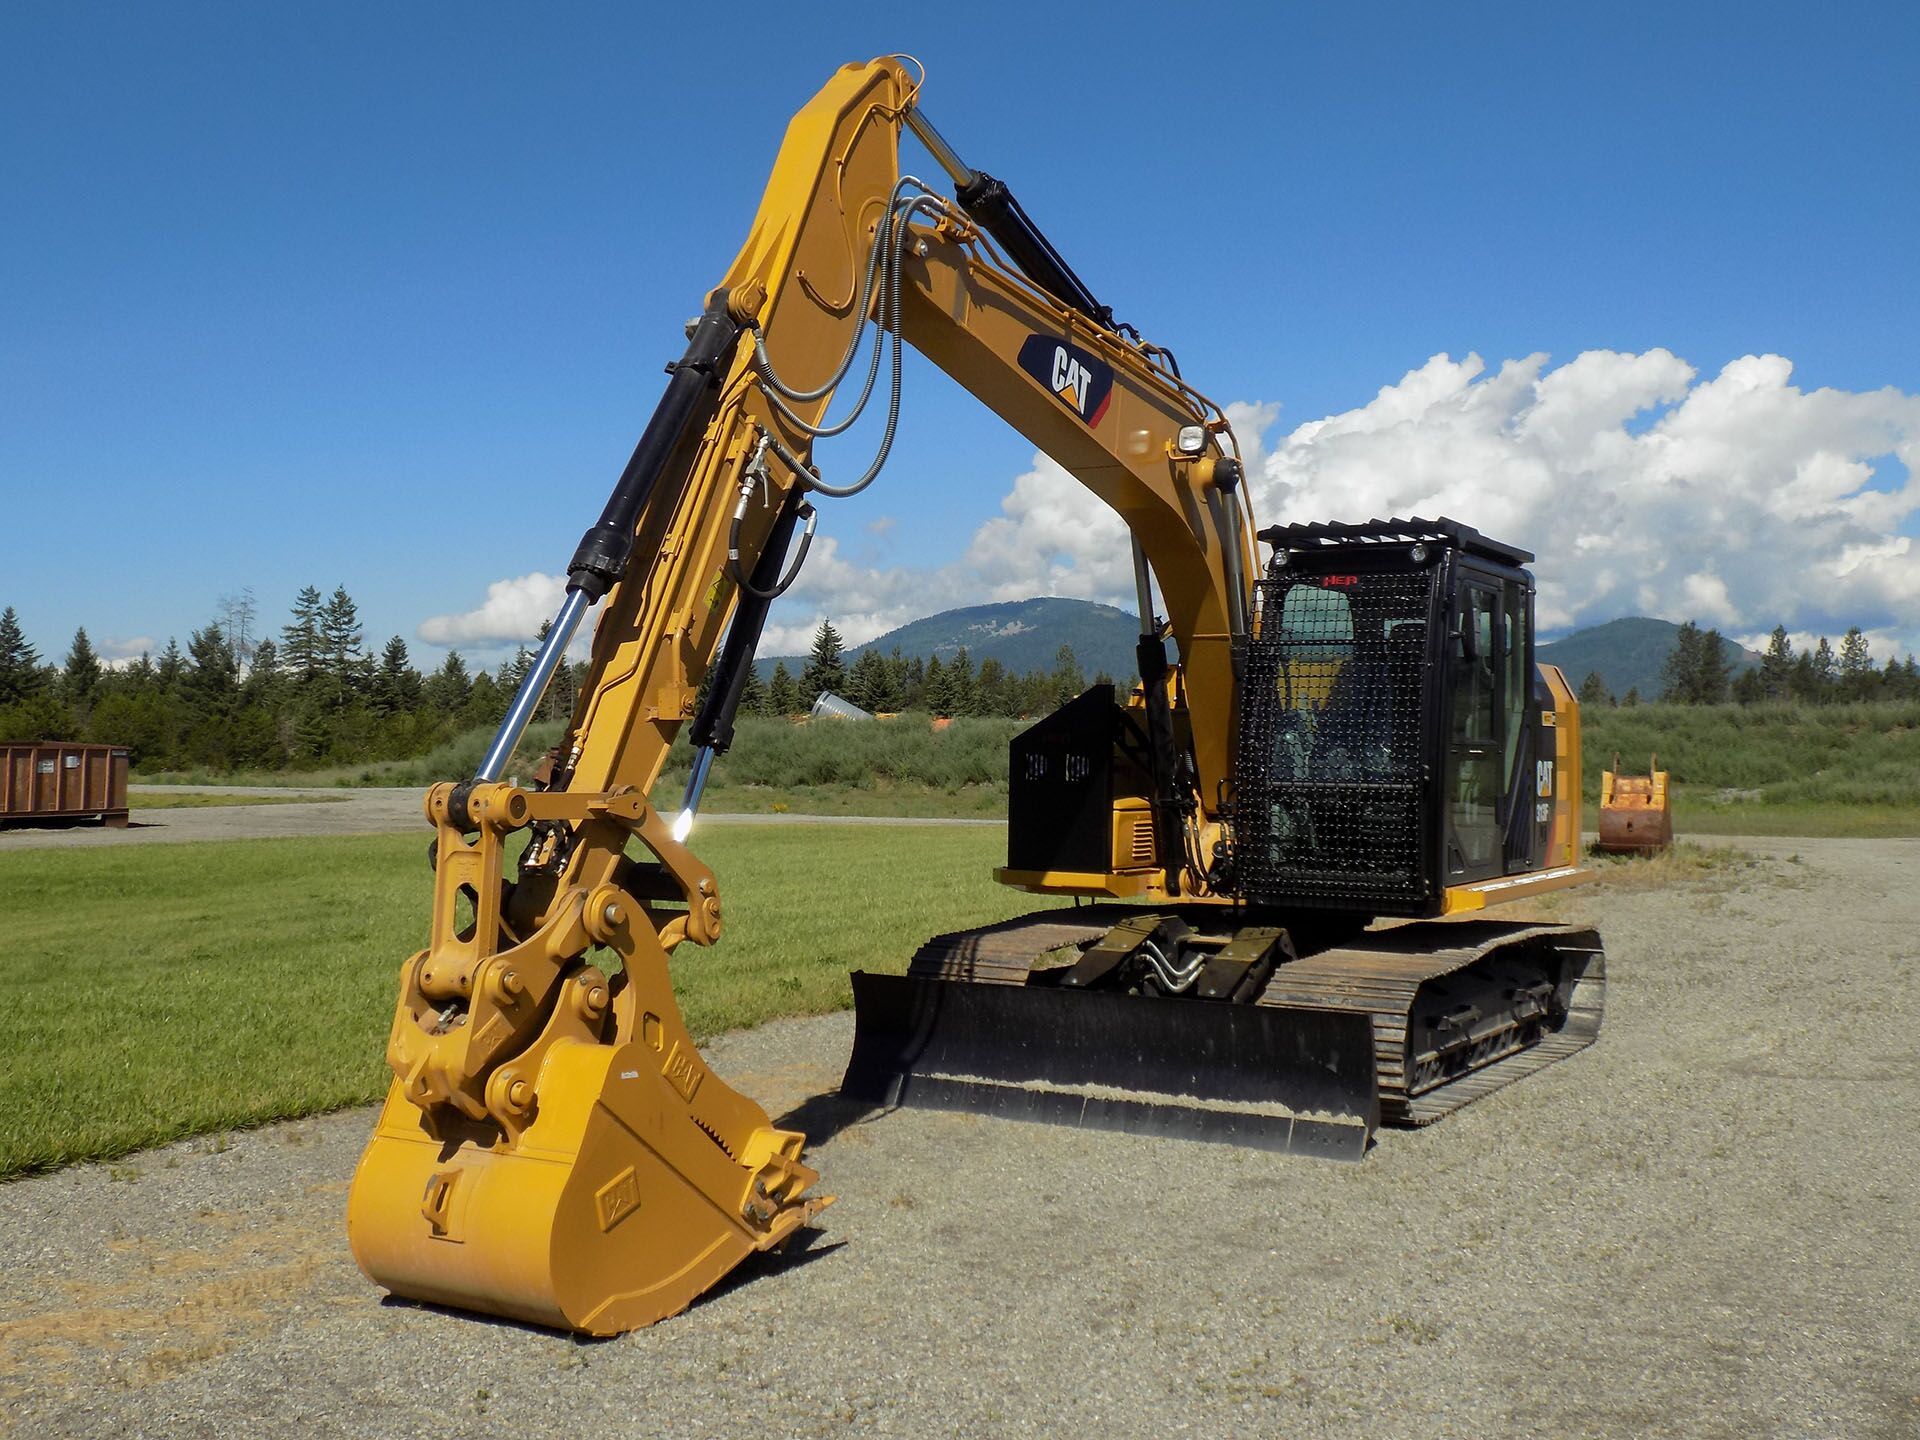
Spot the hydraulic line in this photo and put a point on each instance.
(887, 253)
(1175, 979)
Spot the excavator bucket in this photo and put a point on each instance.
(1293, 1079)
(1636, 814)
(615, 1209)
(611, 1178)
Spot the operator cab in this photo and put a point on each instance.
(1395, 737)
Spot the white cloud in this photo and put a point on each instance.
(512, 613)
(1738, 501)
(117, 654)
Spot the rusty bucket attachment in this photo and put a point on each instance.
(1636, 814)
(1273, 1078)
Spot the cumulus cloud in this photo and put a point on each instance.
(512, 613)
(1739, 501)
(1736, 501)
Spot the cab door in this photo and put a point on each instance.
(1473, 770)
(1488, 657)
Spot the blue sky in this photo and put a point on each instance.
(379, 295)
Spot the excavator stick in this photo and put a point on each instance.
(1292, 1079)
(1636, 811)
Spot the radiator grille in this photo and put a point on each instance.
(1329, 779)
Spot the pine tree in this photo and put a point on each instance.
(936, 692)
(447, 690)
(753, 693)
(396, 684)
(340, 640)
(512, 672)
(990, 688)
(826, 669)
(1712, 670)
(1680, 674)
(262, 685)
(867, 681)
(486, 702)
(82, 676)
(302, 652)
(960, 684)
(783, 696)
(1068, 680)
(212, 677)
(1593, 689)
(1857, 676)
(172, 667)
(898, 680)
(1632, 697)
(19, 662)
(1776, 666)
(1825, 672)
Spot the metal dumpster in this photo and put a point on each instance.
(53, 781)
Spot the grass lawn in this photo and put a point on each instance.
(1824, 820)
(152, 993)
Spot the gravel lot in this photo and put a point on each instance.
(1706, 1225)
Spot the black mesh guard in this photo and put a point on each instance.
(1329, 780)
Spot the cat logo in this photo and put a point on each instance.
(1079, 380)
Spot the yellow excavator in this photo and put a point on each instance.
(1279, 842)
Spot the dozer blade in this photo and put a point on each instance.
(1292, 1079)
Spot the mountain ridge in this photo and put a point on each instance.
(1628, 654)
(1024, 635)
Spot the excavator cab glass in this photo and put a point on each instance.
(1384, 736)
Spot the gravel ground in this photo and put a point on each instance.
(366, 811)
(1706, 1225)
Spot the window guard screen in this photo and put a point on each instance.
(1329, 776)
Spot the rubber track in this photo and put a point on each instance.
(1383, 971)
(1004, 954)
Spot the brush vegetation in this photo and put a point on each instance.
(254, 981)
(1771, 769)
(1790, 769)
